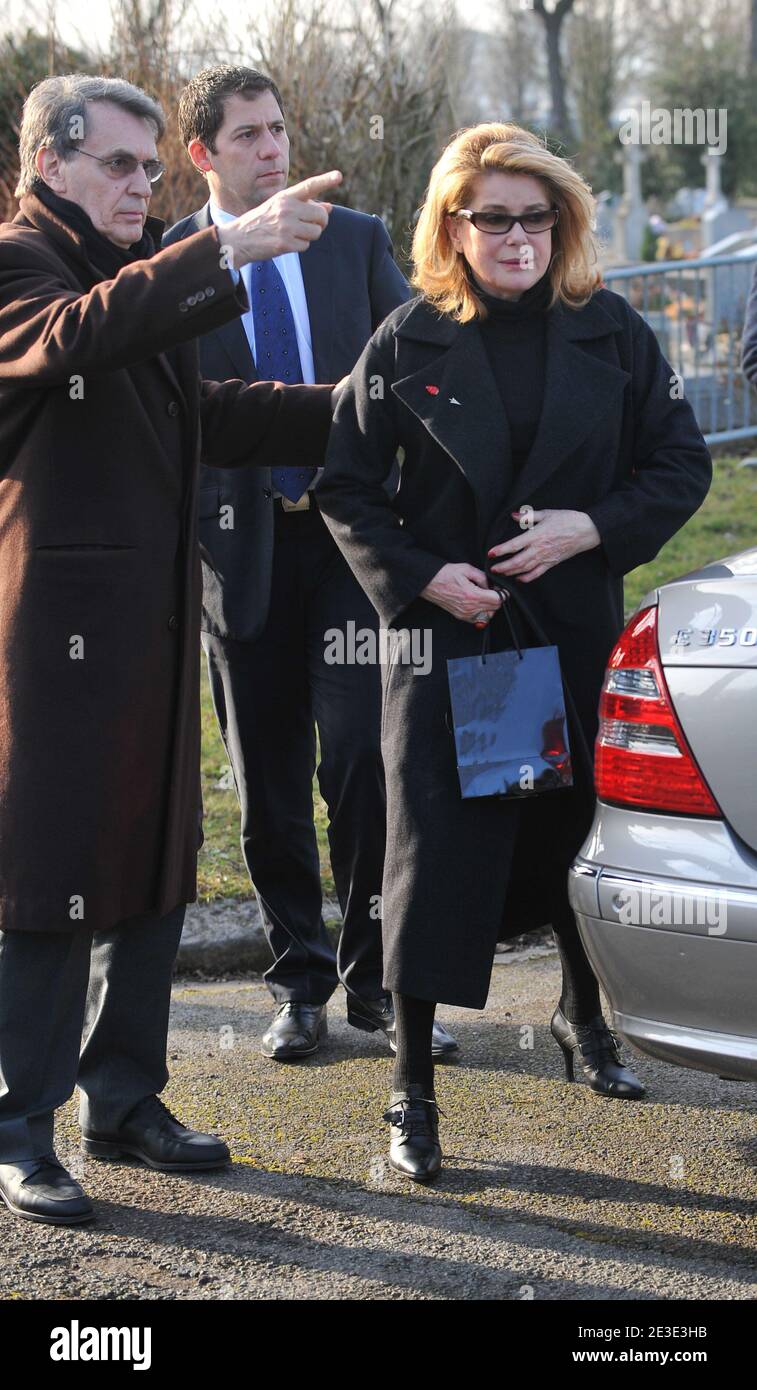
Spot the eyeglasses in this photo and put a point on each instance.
(121, 166)
(495, 223)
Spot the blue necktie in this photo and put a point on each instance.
(277, 356)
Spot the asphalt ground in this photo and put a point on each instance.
(549, 1192)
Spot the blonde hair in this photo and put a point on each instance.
(439, 269)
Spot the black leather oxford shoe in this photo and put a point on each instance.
(40, 1189)
(594, 1048)
(414, 1148)
(372, 1015)
(296, 1031)
(151, 1133)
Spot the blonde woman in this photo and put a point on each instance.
(543, 453)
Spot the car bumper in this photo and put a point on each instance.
(667, 910)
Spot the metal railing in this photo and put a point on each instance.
(696, 309)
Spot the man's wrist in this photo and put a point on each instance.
(228, 250)
(233, 246)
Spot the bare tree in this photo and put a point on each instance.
(364, 93)
(368, 88)
(516, 52)
(593, 61)
(553, 20)
(159, 44)
(26, 56)
(704, 64)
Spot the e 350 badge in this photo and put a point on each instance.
(715, 637)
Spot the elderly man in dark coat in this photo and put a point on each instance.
(103, 424)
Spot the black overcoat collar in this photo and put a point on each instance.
(457, 399)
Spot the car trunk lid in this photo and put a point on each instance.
(707, 633)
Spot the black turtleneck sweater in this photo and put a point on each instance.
(514, 334)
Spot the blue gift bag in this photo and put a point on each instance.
(509, 721)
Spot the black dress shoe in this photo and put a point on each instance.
(414, 1148)
(40, 1189)
(595, 1048)
(151, 1133)
(296, 1031)
(373, 1014)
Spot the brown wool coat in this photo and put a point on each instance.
(103, 424)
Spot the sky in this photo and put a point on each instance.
(92, 17)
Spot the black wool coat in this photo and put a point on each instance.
(614, 440)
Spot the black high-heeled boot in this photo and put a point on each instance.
(594, 1047)
(414, 1148)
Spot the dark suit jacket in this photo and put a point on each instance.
(100, 755)
(351, 284)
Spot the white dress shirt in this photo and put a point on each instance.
(290, 270)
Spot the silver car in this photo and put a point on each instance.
(665, 885)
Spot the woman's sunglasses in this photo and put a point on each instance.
(497, 222)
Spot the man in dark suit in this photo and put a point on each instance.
(276, 588)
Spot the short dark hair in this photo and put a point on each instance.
(201, 104)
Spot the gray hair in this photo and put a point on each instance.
(55, 115)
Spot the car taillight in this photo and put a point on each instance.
(641, 755)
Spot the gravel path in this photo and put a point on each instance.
(548, 1191)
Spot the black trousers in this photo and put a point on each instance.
(82, 1008)
(269, 697)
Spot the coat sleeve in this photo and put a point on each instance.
(50, 332)
(266, 423)
(365, 436)
(749, 340)
(672, 467)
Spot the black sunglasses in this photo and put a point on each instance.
(497, 222)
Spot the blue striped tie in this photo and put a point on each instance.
(277, 356)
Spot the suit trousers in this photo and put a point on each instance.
(269, 696)
(82, 1007)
